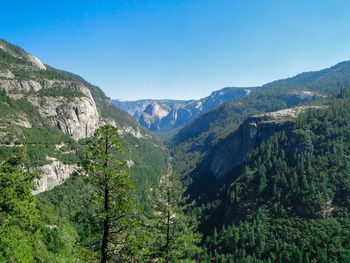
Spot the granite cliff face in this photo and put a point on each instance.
(151, 117)
(54, 174)
(75, 115)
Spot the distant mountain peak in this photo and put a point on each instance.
(165, 115)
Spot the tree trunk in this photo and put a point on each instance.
(105, 240)
(167, 244)
(106, 221)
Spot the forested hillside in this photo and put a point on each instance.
(196, 138)
(221, 151)
(290, 201)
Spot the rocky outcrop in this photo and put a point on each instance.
(16, 85)
(6, 74)
(153, 114)
(36, 62)
(133, 131)
(53, 174)
(301, 96)
(136, 108)
(232, 152)
(75, 115)
(130, 163)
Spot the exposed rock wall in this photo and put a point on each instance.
(76, 116)
(53, 174)
(235, 149)
(36, 62)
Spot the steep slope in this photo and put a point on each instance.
(49, 114)
(232, 151)
(323, 81)
(165, 115)
(51, 110)
(238, 168)
(228, 155)
(289, 200)
(192, 141)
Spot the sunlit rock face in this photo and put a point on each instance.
(53, 174)
(76, 116)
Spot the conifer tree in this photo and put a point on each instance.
(174, 231)
(113, 196)
(18, 212)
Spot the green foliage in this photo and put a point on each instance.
(17, 202)
(37, 148)
(16, 245)
(172, 231)
(17, 212)
(113, 196)
(13, 49)
(198, 137)
(24, 235)
(10, 107)
(145, 169)
(30, 231)
(267, 239)
(6, 58)
(66, 228)
(61, 92)
(291, 201)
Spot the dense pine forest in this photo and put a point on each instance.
(96, 214)
(290, 202)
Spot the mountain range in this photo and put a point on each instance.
(165, 115)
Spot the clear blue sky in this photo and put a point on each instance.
(180, 49)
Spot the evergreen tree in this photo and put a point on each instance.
(18, 213)
(174, 231)
(113, 196)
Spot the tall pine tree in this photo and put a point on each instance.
(174, 231)
(114, 195)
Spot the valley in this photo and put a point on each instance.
(248, 174)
